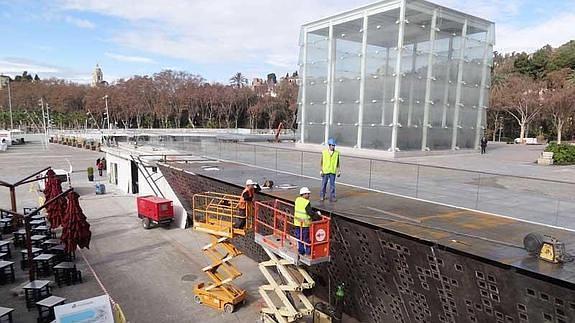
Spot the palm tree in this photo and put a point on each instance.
(238, 80)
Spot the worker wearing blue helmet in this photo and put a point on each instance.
(330, 168)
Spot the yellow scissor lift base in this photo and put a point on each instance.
(217, 215)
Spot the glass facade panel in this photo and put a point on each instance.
(316, 66)
(346, 81)
(380, 62)
(442, 74)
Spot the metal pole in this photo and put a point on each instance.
(482, 89)
(44, 121)
(362, 83)
(417, 183)
(478, 187)
(428, 79)
(370, 169)
(13, 198)
(397, 91)
(330, 83)
(458, 90)
(31, 271)
(107, 112)
(10, 106)
(48, 117)
(303, 87)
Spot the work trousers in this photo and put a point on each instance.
(324, 179)
(302, 233)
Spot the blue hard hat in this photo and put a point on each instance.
(331, 141)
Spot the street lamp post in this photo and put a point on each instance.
(10, 105)
(107, 112)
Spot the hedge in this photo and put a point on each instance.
(563, 154)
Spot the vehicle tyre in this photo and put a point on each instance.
(229, 308)
(197, 299)
(146, 223)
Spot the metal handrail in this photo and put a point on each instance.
(414, 164)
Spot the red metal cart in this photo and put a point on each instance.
(155, 210)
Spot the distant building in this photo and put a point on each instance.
(264, 88)
(4, 79)
(291, 78)
(98, 77)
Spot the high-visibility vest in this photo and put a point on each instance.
(301, 218)
(329, 162)
(242, 203)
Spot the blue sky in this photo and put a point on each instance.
(66, 38)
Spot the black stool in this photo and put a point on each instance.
(7, 272)
(66, 272)
(20, 238)
(35, 291)
(24, 261)
(6, 313)
(46, 308)
(44, 263)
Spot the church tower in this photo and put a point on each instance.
(97, 76)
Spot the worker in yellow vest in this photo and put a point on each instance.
(329, 169)
(303, 217)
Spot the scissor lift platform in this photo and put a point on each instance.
(274, 230)
(217, 214)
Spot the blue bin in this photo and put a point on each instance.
(100, 189)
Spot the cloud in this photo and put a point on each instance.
(244, 32)
(555, 32)
(130, 59)
(14, 65)
(81, 23)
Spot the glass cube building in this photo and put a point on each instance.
(396, 75)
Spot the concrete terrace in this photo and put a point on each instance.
(150, 273)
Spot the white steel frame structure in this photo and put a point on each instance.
(395, 75)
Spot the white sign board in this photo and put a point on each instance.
(94, 310)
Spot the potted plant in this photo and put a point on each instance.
(91, 174)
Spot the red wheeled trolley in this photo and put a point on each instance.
(155, 210)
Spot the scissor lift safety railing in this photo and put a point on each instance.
(217, 214)
(274, 230)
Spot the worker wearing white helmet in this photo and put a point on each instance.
(303, 216)
(246, 204)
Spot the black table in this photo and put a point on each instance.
(36, 223)
(46, 308)
(66, 272)
(5, 247)
(37, 240)
(46, 245)
(60, 250)
(24, 261)
(6, 224)
(7, 271)
(41, 230)
(35, 291)
(20, 238)
(44, 263)
(6, 312)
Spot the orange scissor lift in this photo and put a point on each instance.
(275, 231)
(217, 215)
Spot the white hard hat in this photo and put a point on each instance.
(304, 190)
(250, 182)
